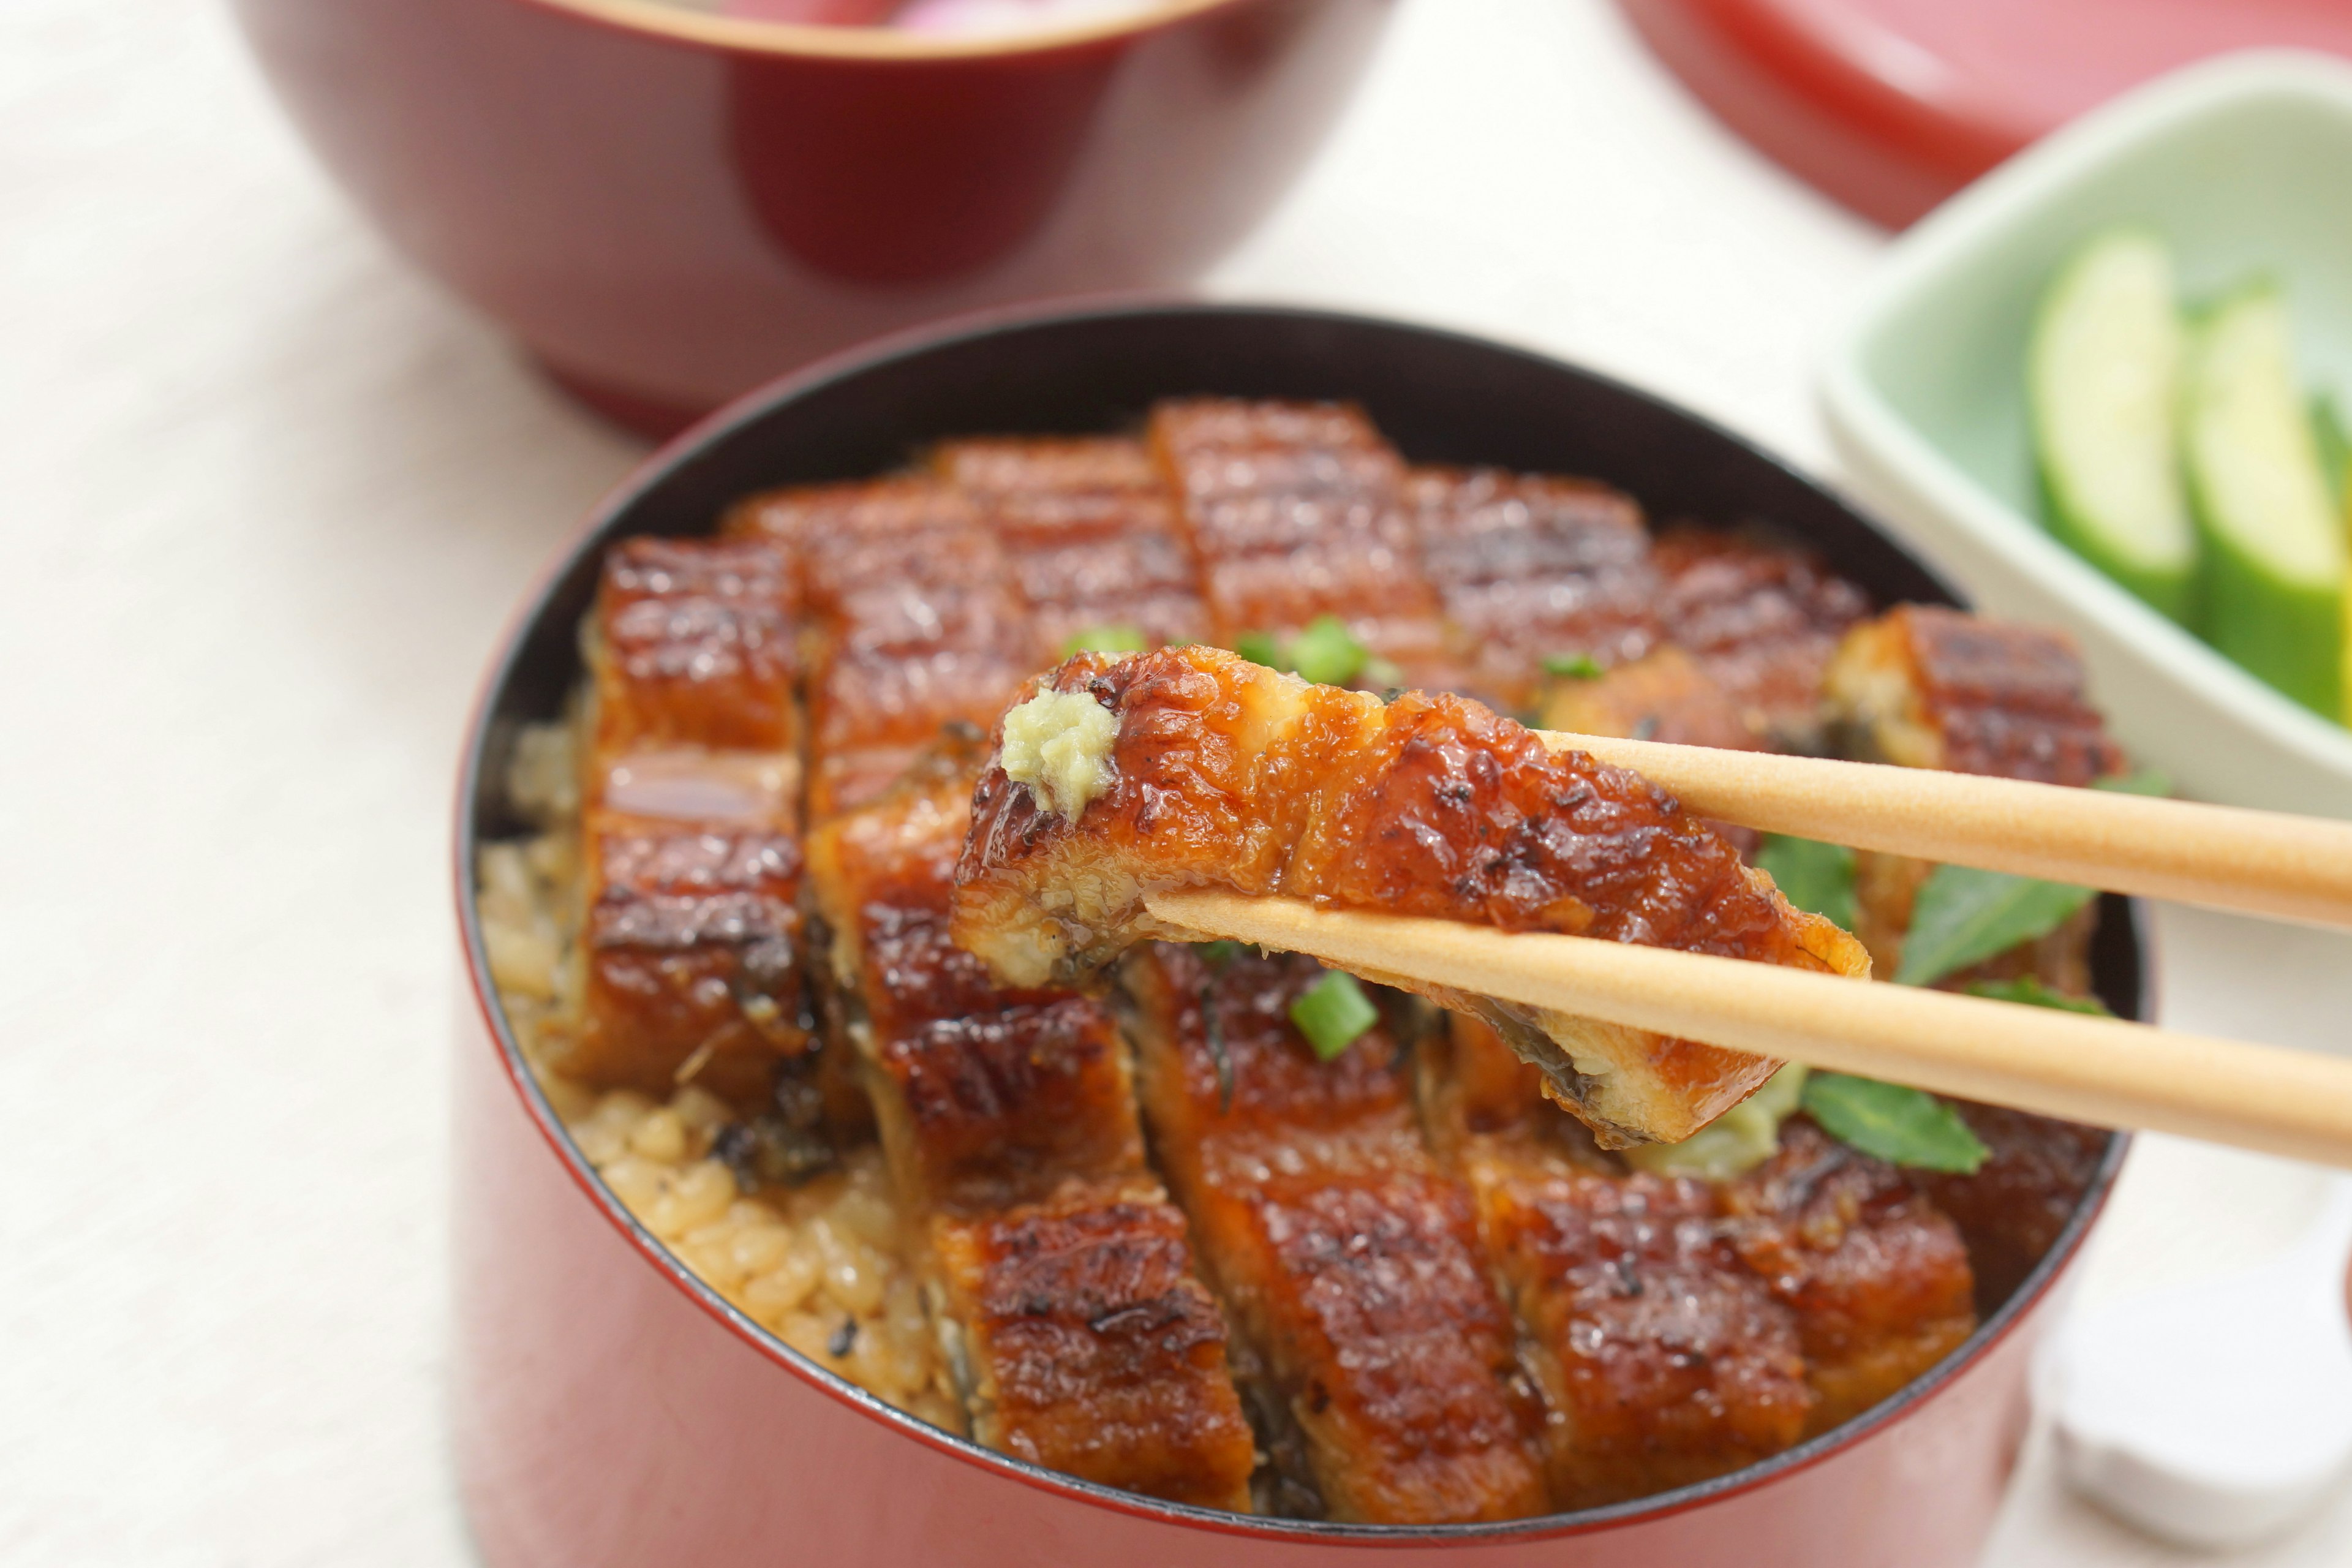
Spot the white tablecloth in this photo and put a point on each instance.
(269, 497)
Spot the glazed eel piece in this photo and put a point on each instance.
(1682, 1328)
(1193, 767)
(1059, 1274)
(1931, 687)
(690, 936)
(1762, 618)
(1089, 527)
(1666, 695)
(1928, 687)
(1378, 1356)
(1297, 510)
(1532, 567)
(913, 622)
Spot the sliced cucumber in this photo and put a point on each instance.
(2335, 444)
(2334, 440)
(2275, 579)
(2102, 379)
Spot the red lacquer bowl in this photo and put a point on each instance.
(668, 207)
(612, 1412)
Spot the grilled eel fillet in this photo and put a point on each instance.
(1297, 510)
(913, 622)
(1089, 531)
(691, 933)
(1668, 696)
(1927, 687)
(1930, 687)
(1225, 772)
(1532, 567)
(1058, 1270)
(1762, 618)
(1681, 1329)
(1349, 1262)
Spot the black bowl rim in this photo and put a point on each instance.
(765, 401)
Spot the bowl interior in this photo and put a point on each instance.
(1439, 398)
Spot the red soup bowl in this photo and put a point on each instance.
(612, 1412)
(669, 206)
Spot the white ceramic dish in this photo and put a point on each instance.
(2245, 164)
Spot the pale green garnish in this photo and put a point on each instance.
(1740, 1139)
(1059, 744)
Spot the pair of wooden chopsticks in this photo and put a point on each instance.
(2099, 1070)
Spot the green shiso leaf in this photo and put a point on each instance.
(1902, 1126)
(1815, 877)
(1573, 666)
(1116, 637)
(1326, 653)
(1332, 1013)
(1965, 916)
(2031, 992)
(2145, 781)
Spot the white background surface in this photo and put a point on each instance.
(268, 496)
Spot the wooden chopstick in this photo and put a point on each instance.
(2085, 1068)
(2255, 862)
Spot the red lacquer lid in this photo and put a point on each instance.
(1890, 106)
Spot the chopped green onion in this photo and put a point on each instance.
(2031, 992)
(1116, 637)
(1326, 654)
(1383, 675)
(1332, 1013)
(1888, 1121)
(1817, 877)
(1259, 648)
(1218, 953)
(1573, 666)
